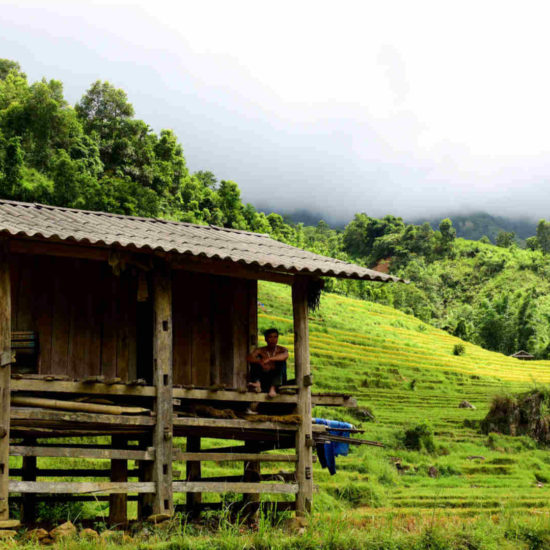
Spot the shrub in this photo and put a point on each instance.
(459, 349)
(420, 437)
(524, 414)
(359, 494)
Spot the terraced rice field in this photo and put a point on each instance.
(405, 372)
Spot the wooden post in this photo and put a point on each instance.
(252, 473)
(5, 371)
(304, 440)
(29, 471)
(162, 502)
(118, 503)
(193, 473)
(145, 473)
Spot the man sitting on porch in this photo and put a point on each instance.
(268, 365)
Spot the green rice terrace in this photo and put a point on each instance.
(407, 374)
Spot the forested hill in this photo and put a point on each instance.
(96, 155)
(476, 225)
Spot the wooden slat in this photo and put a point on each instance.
(78, 320)
(72, 452)
(123, 325)
(193, 473)
(233, 487)
(60, 317)
(79, 387)
(5, 348)
(71, 418)
(118, 503)
(239, 323)
(232, 457)
(200, 339)
(80, 487)
(180, 393)
(182, 326)
(25, 295)
(43, 309)
(109, 333)
(304, 435)
(80, 472)
(29, 471)
(239, 424)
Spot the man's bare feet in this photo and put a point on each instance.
(255, 387)
(272, 392)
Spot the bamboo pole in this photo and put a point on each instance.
(75, 406)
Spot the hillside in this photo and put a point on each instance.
(405, 371)
(476, 225)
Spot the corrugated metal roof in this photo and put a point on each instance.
(148, 234)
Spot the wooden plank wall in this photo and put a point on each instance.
(213, 316)
(86, 319)
(85, 316)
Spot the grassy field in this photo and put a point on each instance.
(484, 491)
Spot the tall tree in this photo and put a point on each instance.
(543, 235)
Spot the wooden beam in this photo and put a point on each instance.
(231, 395)
(193, 473)
(118, 503)
(233, 487)
(5, 370)
(72, 418)
(233, 423)
(64, 250)
(60, 452)
(231, 457)
(70, 498)
(163, 380)
(79, 472)
(29, 467)
(252, 473)
(304, 435)
(57, 386)
(229, 269)
(80, 487)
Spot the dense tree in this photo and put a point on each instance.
(505, 239)
(543, 236)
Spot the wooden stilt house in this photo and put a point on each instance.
(124, 329)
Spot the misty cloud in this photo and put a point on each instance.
(415, 110)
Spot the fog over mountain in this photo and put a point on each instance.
(405, 108)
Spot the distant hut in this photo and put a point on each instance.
(155, 318)
(522, 354)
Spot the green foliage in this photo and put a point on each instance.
(419, 438)
(505, 239)
(459, 349)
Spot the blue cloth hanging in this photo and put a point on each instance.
(328, 451)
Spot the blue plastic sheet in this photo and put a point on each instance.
(328, 451)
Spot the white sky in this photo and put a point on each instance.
(411, 108)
